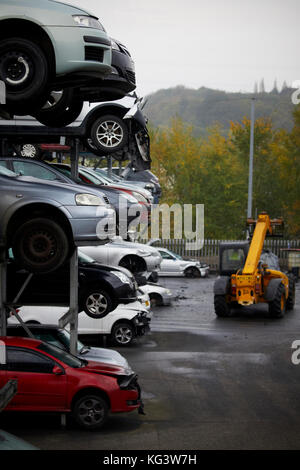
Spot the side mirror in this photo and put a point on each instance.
(57, 370)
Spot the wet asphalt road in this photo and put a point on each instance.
(207, 383)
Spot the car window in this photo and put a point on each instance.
(3, 163)
(6, 172)
(31, 169)
(20, 360)
(61, 355)
(165, 255)
(233, 259)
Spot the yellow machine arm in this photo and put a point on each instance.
(263, 225)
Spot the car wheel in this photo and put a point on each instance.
(40, 245)
(24, 70)
(123, 334)
(192, 272)
(156, 300)
(60, 109)
(90, 411)
(109, 134)
(133, 263)
(97, 303)
(29, 151)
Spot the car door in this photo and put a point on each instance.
(39, 389)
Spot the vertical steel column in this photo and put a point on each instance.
(74, 302)
(109, 166)
(3, 272)
(74, 157)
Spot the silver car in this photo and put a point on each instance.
(136, 257)
(45, 45)
(41, 221)
(174, 265)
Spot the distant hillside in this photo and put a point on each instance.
(204, 107)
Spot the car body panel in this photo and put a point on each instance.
(165, 294)
(67, 38)
(171, 265)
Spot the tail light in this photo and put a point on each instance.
(233, 289)
(257, 288)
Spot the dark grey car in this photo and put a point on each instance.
(42, 220)
(127, 207)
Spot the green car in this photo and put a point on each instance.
(45, 46)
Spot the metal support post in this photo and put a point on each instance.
(74, 157)
(109, 166)
(3, 318)
(74, 302)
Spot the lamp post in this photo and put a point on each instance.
(250, 181)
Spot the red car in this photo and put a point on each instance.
(50, 379)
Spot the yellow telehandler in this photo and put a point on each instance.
(246, 280)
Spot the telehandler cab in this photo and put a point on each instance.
(245, 280)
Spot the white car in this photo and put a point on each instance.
(157, 294)
(173, 265)
(122, 325)
(136, 257)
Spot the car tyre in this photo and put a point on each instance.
(90, 411)
(29, 151)
(133, 263)
(40, 245)
(123, 334)
(192, 272)
(290, 301)
(156, 300)
(97, 303)
(222, 308)
(109, 134)
(278, 305)
(25, 72)
(61, 109)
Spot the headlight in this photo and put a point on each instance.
(144, 253)
(149, 186)
(130, 198)
(88, 22)
(89, 200)
(123, 278)
(114, 45)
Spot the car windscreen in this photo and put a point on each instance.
(6, 172)
(61, 355)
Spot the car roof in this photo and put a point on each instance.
(21, 342)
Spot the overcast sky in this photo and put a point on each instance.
(215, 43)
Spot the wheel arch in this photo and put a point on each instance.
(141, 261)
(32, 210)
(90, 390)
(101, 110)
(28, 29)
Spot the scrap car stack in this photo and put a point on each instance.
(62, 75)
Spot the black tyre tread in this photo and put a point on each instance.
(275, 310)
(222, 308)
(63, 113)
(62, 243)
(290, 301)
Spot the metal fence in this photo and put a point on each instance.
(209, 253)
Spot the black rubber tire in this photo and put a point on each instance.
(222, 308)
(63, 113)
(116, 334)
(156, 300)
(94, 420)
(94, 294)
(122, 133)
(28, 95)
(133, 263)
(278, 305)
(91, 148)
(290, 301)
(29, 240)
(153, 277)
(192, 272)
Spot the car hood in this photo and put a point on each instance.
(107, 356)
(140, 246)
(74, 8)
(106, 369)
